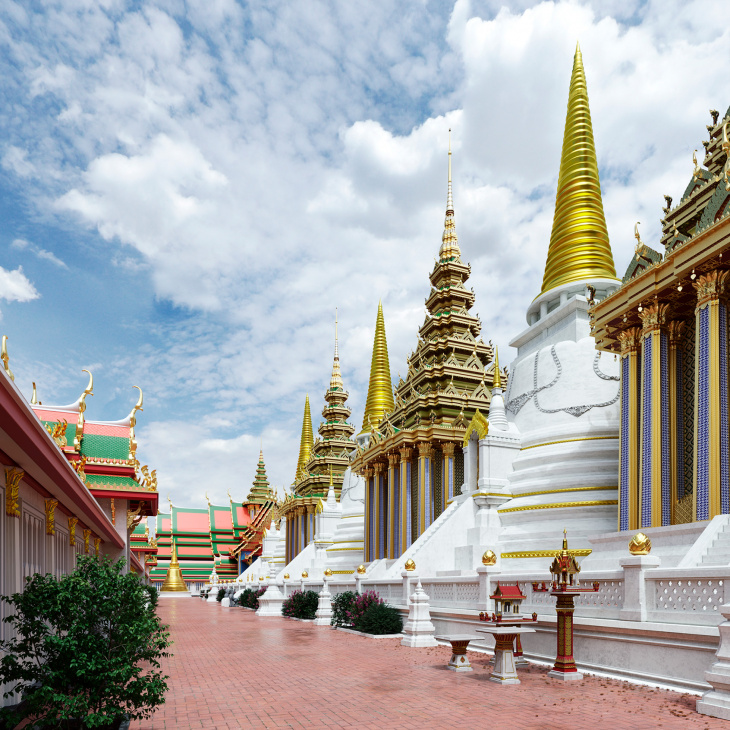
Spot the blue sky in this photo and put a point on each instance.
(189, 189)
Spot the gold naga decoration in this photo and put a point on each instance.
(72, 522)
(89, 390)
(78, 467)
(58, 432)
(51, 505)
(6, 359)
(97, 542)
(380, 393)
(135, 517)
(12, 491)
(133, 423)
(149, 480)
(579, 246)
(87, 535)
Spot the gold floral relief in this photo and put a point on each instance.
(12, 491)
(51, 505)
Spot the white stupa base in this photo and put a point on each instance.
(173, 594)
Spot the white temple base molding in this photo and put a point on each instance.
(716, 702)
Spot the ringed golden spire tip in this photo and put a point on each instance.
(306, 442)
(579, 247)
(380, 389)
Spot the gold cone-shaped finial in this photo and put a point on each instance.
(174, 580)
(579, 247)
(449, 239)
(306, 442)
(497, 383)
(336, 379)
(380, 390)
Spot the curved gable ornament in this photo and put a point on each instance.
(479, 424)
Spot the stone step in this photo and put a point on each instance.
(716, 557)
(721, 542)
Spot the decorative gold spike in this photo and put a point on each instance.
(380, 391)
(336, 379)
(306, 442)
(497, 383)
(579, 246)
(137, 407)
(6, 359)
(449, 239)
(34, 396)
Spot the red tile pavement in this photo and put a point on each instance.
(232, 669)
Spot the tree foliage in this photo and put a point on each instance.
(85, 650)
(342, 607)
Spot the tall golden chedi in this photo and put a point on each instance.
(380, 388)
(413, 460)
(328, 460)
(579, 247)
(174, 582)
(305, 443)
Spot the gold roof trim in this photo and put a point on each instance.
(579, 246)
(380, 389)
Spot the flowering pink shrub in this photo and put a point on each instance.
(361, 604)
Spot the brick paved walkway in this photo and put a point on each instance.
(231, 669)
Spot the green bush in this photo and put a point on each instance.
(300, 604)
(250, 597)
(342, 607)
(86, 649)
(153, 595)
(221, 593)
(380, 618)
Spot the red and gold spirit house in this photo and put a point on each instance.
(565, 589)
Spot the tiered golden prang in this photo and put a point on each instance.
(579, 247)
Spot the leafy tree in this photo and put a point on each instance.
(84, 650)
(221, 594)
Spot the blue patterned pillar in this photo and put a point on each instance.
(712, 492)
(392, 505)
(406, 455)
(425, 498)
(656, 496)
(448, 449)
(629, 437)
(380, 526)
(676, 414)
(369, 510)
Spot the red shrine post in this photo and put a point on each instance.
(563, 568)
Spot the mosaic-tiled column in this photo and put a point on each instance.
(711, 488)
(676, 415)
(406, 456)
(425, 498)
(629, 436)
(655, 501)
(367, 473)
(448, 480)
(393, 505)
(311, 510)
(379, 515)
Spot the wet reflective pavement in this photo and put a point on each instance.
(232, 669)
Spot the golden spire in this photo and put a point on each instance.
(336, 379)
(449, 239)
(174, 580)
(497, 382)
(306, 443)
(579, 247)
(380, 390)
